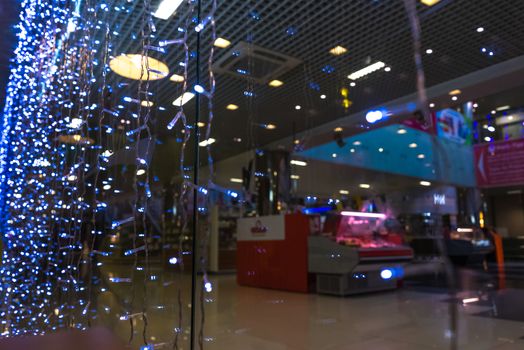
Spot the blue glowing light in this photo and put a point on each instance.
(386, 274)
(374, 116)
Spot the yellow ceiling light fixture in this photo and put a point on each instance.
(270, 126)
(147, 104)
(176, 78)
(429, 2)
(338, 129)
(138, 67)
(222, 43)
(455, 92)
(232, 107)
(338, 50)
(276, 83)
(201, 124)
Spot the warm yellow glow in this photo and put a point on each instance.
(146, 104)
(236, 180)
(276, 83)
(481, 219)
(413, 145)
(338, 50)
(429, 2)
(222, 43)
(75, 139)
(364, 186)
(401, 131)
(177, 78)
(295, 177)
(138, 67)
(201, 124)
(344, 192)
(455, 92)
(338, 129)
(232, 107)
(271, 126)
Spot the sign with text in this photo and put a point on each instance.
(500, 163)
(262, 228)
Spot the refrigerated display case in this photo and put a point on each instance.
(358, 252)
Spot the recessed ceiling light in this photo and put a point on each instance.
(352, 84)
(480, 29)
(138, 67)
(491, 128)
(232, 107)
(503, 108)
(298, 107)
(344, 192)
(237, 139)
(201, 124)
(429, 51)
(295, 177)
(429, 2)
(366, 70)
(107, 187)
(338, 129)
(222, 43)
(364, 185)
(323, 97)
(140, 172)
(401, 131)
(454, 98)
(182, 100)
(381, 149)
(475, 105)
(352, 150)
(333, 155)
(275, 83)
(413, 145)
(357, 143)
(177, 78)
(270, 126)
(421, 156)
(431, 105)
(387, 69)
(146, 103)
(493, 112)
(455, 92)
(338, 50)
(487, 139)
(167, 8)
(298, 162)
(207, 142)
(236, 180)
(425, 183)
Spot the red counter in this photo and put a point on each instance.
(272, 252)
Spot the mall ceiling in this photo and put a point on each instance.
(370, 30)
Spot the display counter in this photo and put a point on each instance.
(357, 253)
(349, 253)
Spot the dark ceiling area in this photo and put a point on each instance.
(370, 30)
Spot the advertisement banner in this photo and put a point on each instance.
(454, 126)
(500, 163)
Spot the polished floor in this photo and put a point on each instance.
(418, 316)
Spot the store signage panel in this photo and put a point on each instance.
(454, 126)
(441, 200)
(263, 228)
(500, 163)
